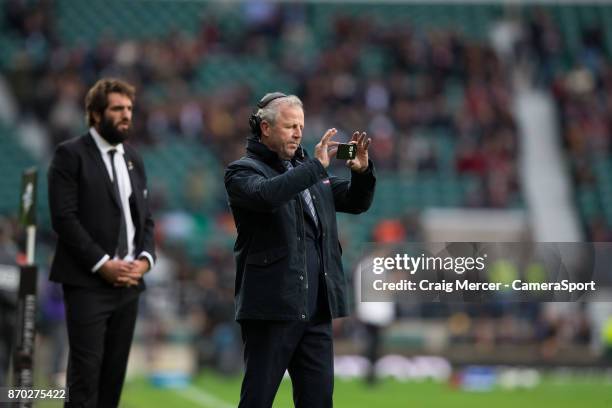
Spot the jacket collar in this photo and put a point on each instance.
(257, 150)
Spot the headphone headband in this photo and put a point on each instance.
(269, 98)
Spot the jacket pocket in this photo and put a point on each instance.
(269, 257)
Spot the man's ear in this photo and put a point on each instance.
(96, 117)
(265, 128)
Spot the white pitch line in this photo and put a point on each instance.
(203, 398)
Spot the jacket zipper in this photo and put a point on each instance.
(301, 209)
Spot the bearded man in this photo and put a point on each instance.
(100, 212)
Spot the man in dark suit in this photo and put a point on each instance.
(289, 277)
(99, 210)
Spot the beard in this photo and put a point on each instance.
(111, 133)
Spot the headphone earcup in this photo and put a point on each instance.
(254, 123)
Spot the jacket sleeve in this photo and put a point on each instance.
(354, 196)
(63, 180)
(148, 237)
(247, 188)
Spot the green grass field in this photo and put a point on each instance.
(213, 391)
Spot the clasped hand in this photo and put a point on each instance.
(124, 273)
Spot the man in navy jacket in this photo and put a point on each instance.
(289, 277)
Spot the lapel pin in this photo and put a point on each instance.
(130, 165)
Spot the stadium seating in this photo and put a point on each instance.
(87, 24)
(593, 193)
(220, 71)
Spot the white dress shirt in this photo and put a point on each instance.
(125, 190)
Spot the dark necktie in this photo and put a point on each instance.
(307, 197)
(122, 240)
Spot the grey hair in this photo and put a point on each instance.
(270, 111)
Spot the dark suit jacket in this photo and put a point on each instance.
(85, 213)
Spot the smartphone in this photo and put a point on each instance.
(346, 151)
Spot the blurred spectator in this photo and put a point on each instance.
(8, 299)
(388, 231)
(374, 316)
(53, 330)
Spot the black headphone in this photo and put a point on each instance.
(255, 119)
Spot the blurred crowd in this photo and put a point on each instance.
(572, 62)
(394, 81)
(404, 85)
(584, 99)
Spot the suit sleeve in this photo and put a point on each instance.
(148, 241)
(355, 195)
(63, 184)
(249, 189)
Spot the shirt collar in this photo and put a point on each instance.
(102, 144)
